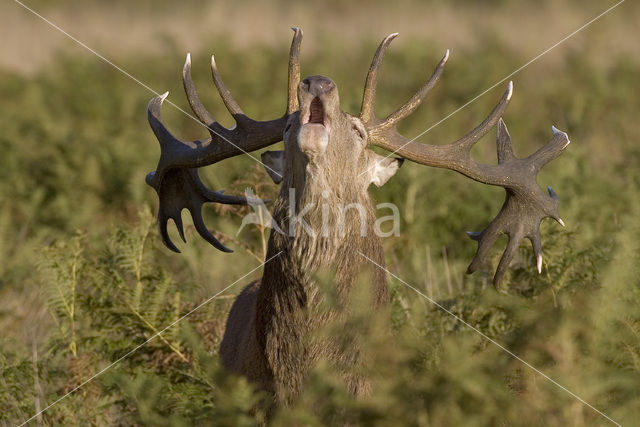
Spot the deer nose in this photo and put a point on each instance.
(318, 85)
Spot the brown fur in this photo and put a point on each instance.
(269, 336)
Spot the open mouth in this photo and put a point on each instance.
(314, 132)
(316, 115)
(316, 111)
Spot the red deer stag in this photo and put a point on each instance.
(326, 159)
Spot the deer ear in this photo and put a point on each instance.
(273, 162)
(382, 168)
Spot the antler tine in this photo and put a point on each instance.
(366, 110)
(226, 96)
(163, 135)
(294, 71)
(472, 137)
(192, 95)
(553, 149)
(415, 101)
(504, 147)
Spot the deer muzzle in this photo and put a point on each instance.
(318, 97)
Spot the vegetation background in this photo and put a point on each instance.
(84, 280)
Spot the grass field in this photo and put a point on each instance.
(84, 278)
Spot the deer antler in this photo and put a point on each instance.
(176, 180)
(525, 206)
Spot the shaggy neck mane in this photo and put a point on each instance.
(325, 225)
(289, 293)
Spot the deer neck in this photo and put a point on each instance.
(320, 229)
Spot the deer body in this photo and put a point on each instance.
(269, 335)
(272, 317)
(325, 168)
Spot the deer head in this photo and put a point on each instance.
(326, 160)
(328, 147)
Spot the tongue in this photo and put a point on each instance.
(316, 111)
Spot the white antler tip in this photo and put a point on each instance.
(475, 235)
(539, 263)
(164, 96)
(510, 90)
(561, 222)
(187, 65)
(390, 37)
(558, 132)
(446, 55)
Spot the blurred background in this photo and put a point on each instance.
(84, 279)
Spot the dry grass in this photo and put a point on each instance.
(119, 28)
